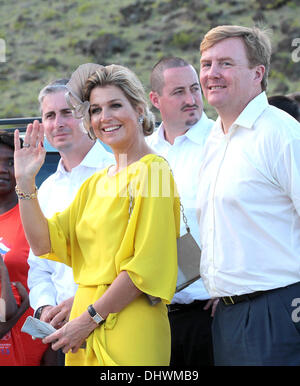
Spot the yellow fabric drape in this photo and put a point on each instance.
(96, 237)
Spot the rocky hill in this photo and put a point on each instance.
(45, 40)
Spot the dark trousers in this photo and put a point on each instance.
(264, 331)
(60, 358)
(191, 339)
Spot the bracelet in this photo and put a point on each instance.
(26, 196)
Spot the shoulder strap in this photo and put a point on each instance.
(181, 206)
(130, 202)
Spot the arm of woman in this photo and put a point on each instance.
(121, 292)
(28, 161)
(9, 304)
(7, 326)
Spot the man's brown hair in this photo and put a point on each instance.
(256, 41)
(157, 74)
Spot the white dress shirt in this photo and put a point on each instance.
(51, 282)
(249, 202)
(184, 158)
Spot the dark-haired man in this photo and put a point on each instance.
(286, 104)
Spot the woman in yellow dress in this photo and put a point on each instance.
(118, 235)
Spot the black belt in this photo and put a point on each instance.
(185, 306)
(229, 300)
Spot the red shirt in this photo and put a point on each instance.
(17, 348)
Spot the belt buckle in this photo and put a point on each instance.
(225, 300)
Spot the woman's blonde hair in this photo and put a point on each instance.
(128, 82)
(257, 44)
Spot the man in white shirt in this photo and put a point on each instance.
(176, 93)
(249, 205)
(51, 284)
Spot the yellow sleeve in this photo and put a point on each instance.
(62, 230)
(59, 230)
(153, 228)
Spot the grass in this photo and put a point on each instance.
(37, 31)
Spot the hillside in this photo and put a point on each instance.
(49, 39)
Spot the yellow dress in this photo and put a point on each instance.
(98, 238)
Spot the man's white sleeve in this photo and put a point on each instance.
(40, 284)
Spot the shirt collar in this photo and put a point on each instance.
(194, 133)
(95, 155)
(249, 115)
(160, 133)
(252, 111)
(200, 129)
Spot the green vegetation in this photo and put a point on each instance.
(49, 39)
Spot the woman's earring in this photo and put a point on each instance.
(141, 120)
